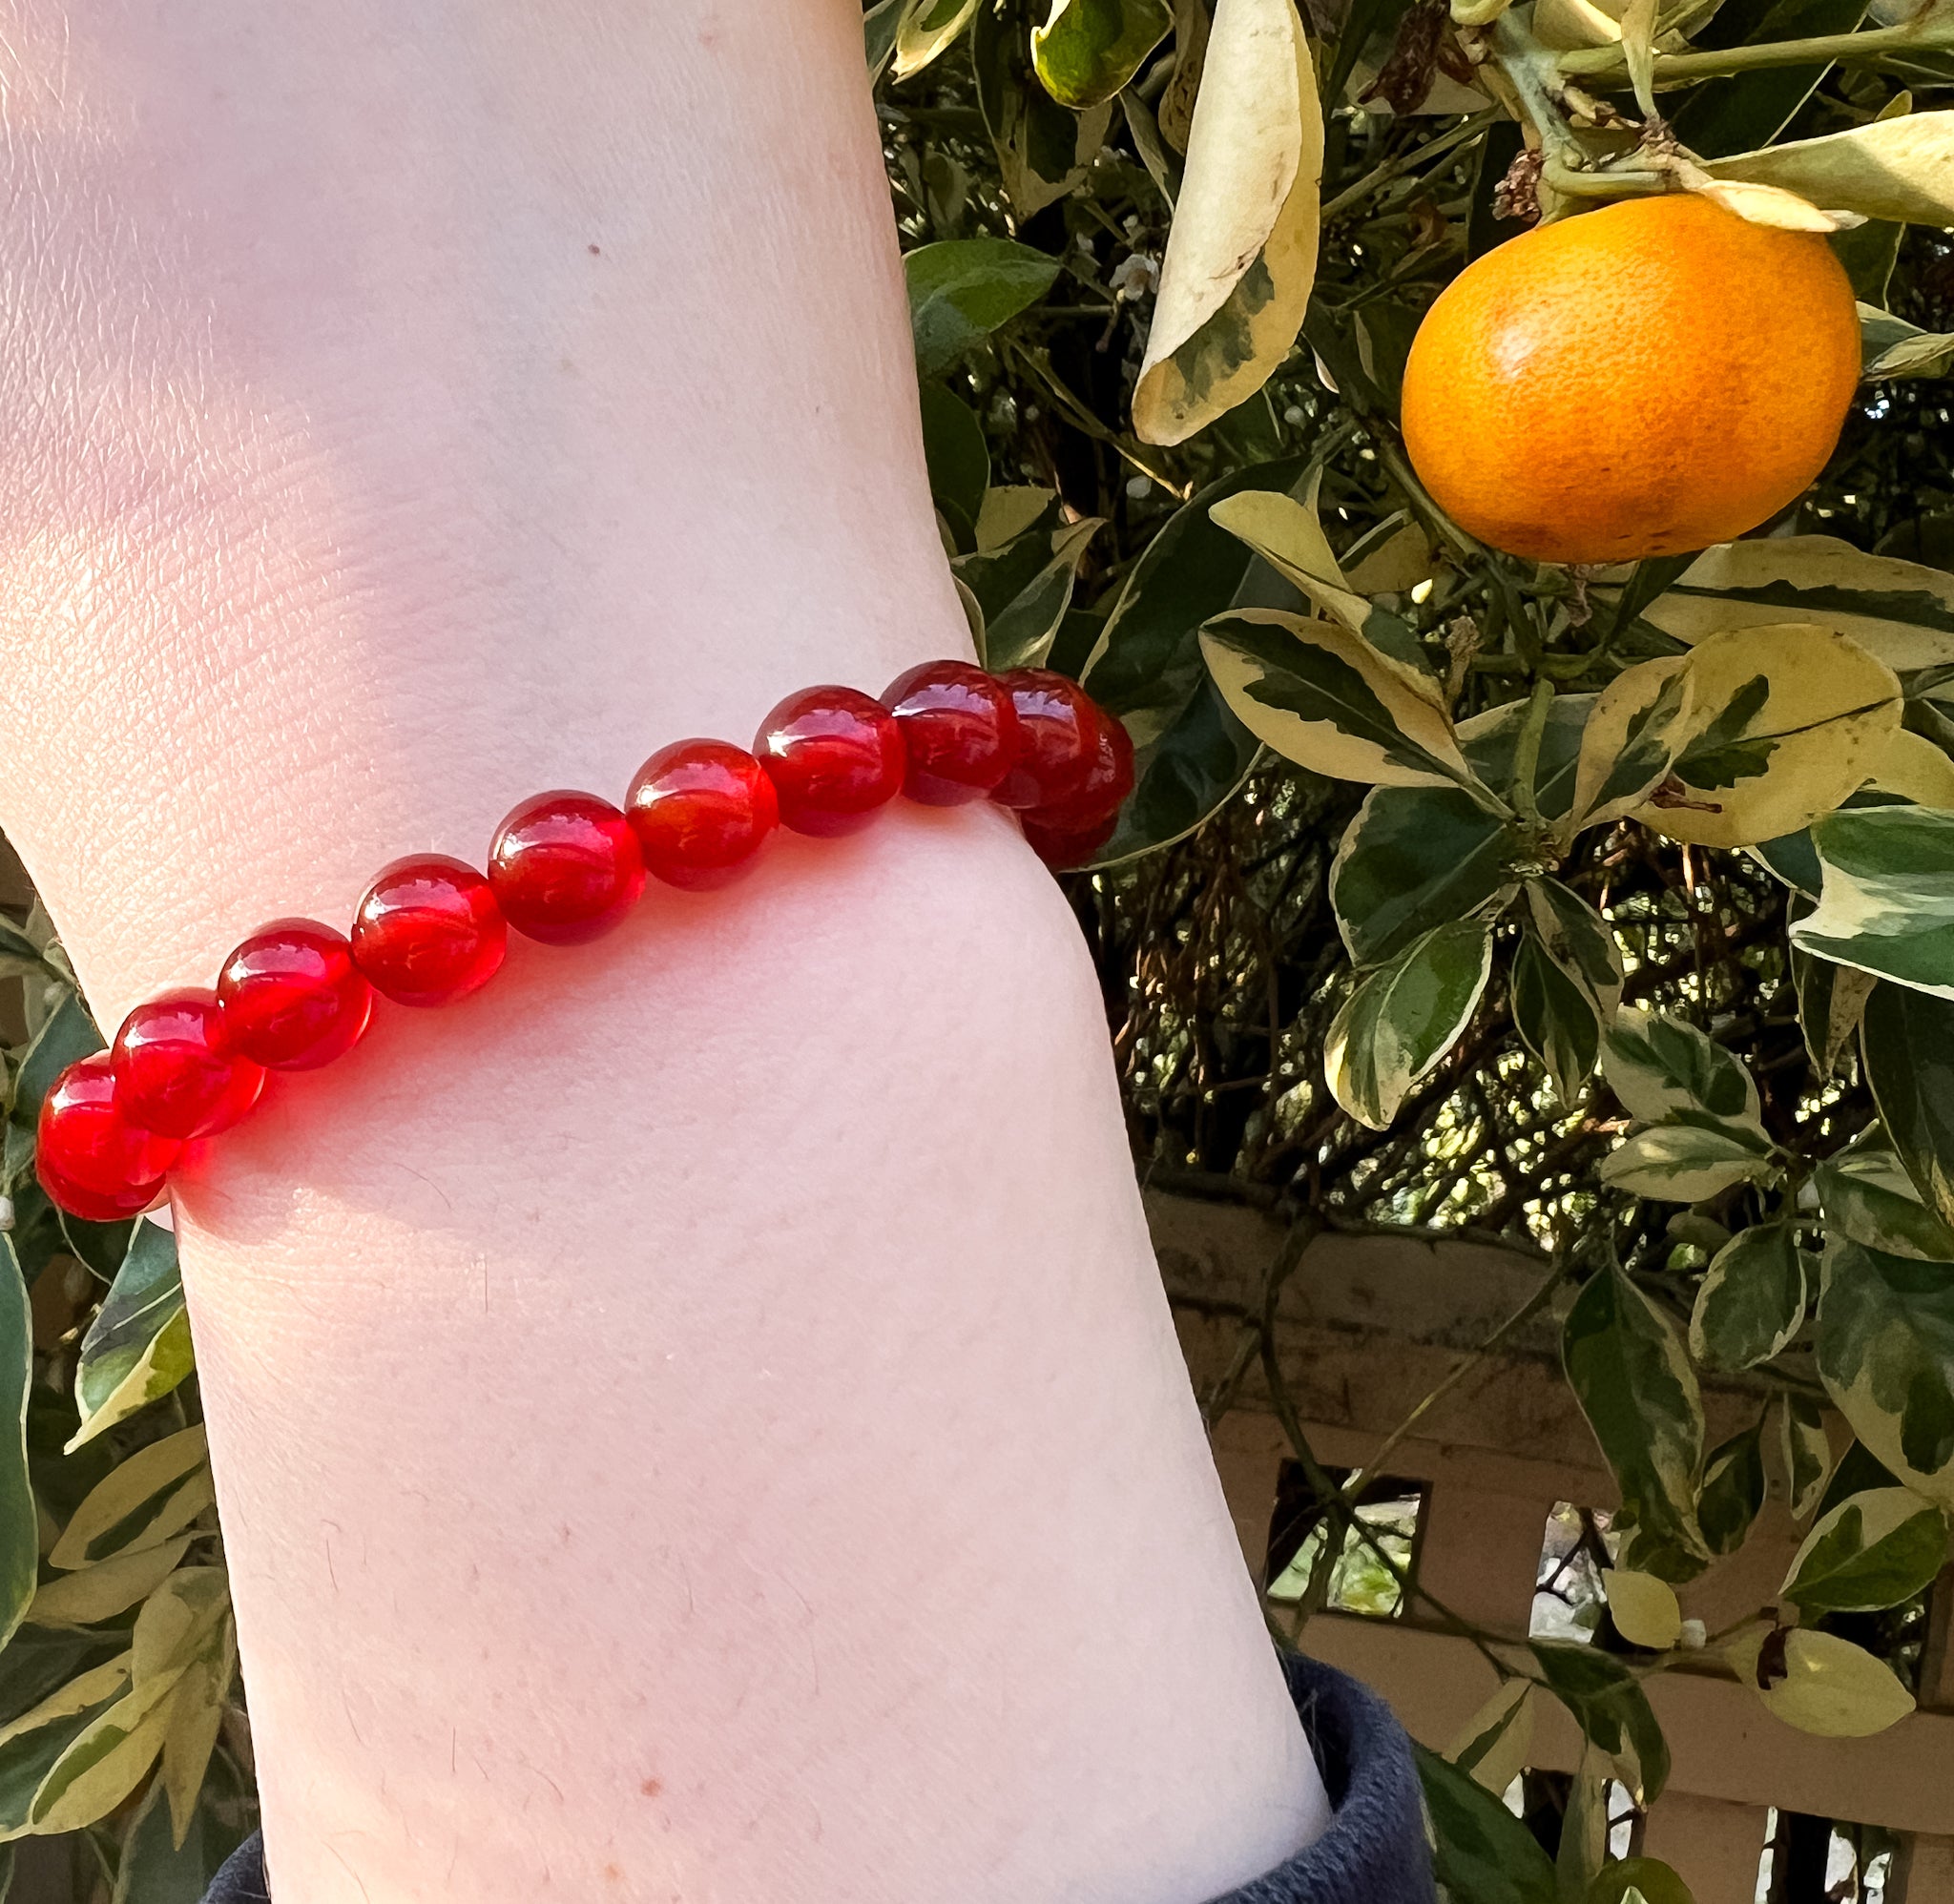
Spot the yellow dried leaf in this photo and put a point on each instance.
(1241, 255)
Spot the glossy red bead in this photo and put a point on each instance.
(836, 757)
(428, 931)
(564, 868)
(91, 1158)
(701, 811)
(178, 1071)
(1063, 846)
(1061, 735)
(291, 997)
(960, 727)
(1108, 780)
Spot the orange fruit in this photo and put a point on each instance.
(1642, 380)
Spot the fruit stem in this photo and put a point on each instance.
(1934, 29)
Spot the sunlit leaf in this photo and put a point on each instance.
(1873, 1550)
(1752, 1299)
(1087, 50)
(1819, 1682)
(1644, 1609)
(1241, 256)
(1404, 1017)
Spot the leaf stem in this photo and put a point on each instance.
(1380, 175)
(1606, 64)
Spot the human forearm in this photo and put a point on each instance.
(700, 1411)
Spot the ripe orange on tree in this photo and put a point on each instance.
(1642, 380)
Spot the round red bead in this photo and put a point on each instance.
(564, 868)
(1063, 846)
(701, 811)
(1108, 780)
(1060, 726)
(836, 758)
(177, 1069)
(428, 932)
(961, 729)
(291, 997)
(90, 1157)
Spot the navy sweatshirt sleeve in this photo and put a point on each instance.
(1374, 1853)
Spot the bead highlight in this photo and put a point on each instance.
(564, 868)
(1060, 728)
(428, 932)
(91, 1160)
(836, 758)
(701, 811)
(291, 997)
(176, 1070)
(960, 727)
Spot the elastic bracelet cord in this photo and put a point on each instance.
(564, 868)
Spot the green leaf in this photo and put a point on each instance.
(1886, 903)
(154, 1870)
(1682, 1163)
(1665, 1070)
(195, 1718)
(926, 30)
(957, 455)
(1183, 778)
(1646, 1878)
(150, 1497)
(1404, 1017)
(1087, 50)
(1629, 746)
(137, 1348)
(1288, 534)
(1885, 1351)
(1831, 1001)
(105, 1761)
(1807, 1452)
(68, 1036)
(35, 1742)
(1579, 940)
(1895, 169)
(963, 289)
(1583, 1848)
(1497, 1740)
(1906, 1041)
(1024, 591)
(19, 1523)
(1733, 1492)
(1491, 743)
(1867, 1195)
(1042, 150)
(1875, 1550)
(1325, 699)
(1483, 1854)
(1554, 1019)
(1752, 109)
(1613, 1711)
(1751, 1300)
(1901, 612)
(1413, 859)
(1147, 665)
(1626, 1365)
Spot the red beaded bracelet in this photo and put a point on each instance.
(566, 867)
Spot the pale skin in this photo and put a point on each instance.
(699, 1420)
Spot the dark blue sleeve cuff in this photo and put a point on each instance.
(1374, 1853)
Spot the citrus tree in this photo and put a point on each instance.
(1475, 877)
(1408, 421)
